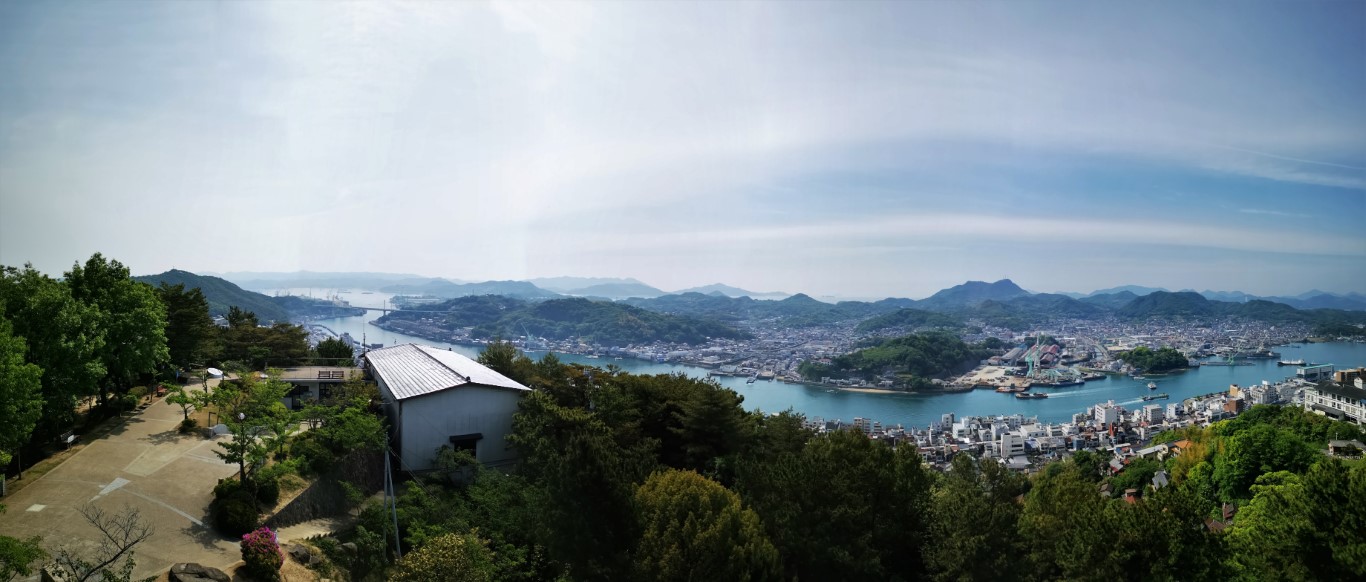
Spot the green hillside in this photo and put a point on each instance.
(909, 318)
(222, 294)
(602, 322)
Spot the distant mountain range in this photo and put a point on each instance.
(445, 288)
(728, 291)
(968, 295)
(1001, 303)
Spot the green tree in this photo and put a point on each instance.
(248, 406)
(1306, 527)
(18, 556)
(844, 507)
(504, 358)
(1262, 448)
(64, 339)
(451, 557)
(21, 392)
(1062, 523)
(692, 528)
(131, 316)
(973, 522)
(191, 336)
(589, 479)
(187, 400)
(335, 352)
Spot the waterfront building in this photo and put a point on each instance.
(1343, 402)
(1315, 373)
(1107, 414)
(1152, 413)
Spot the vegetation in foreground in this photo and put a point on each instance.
(665, 477)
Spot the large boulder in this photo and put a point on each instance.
(302, 554)
(196, 573)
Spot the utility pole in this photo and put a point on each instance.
(390, 498)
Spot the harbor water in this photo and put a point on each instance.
(918, 410)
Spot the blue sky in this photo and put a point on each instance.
(837, 149)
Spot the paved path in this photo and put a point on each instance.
(143, 464)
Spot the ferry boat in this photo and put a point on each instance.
(1030, 395)
(1290, 363)
(1155, 397)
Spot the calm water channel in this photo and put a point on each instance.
(920, 410)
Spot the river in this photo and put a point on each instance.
(919, 410)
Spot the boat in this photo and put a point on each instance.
(1290, 363)
(1030, 395)
(1154, 397)
(1152, 385)
(750, 380)
(1139, 377)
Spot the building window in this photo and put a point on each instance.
(467, 442)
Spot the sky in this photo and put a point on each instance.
(855, 149)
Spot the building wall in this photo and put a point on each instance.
(1355, 410)
(428, 422)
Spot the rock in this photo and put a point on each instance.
(197, 573)
(350, 547)
(302, 555)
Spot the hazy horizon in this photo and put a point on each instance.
(864, 150)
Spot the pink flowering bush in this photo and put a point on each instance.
(262, 554)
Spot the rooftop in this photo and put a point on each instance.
(332, 373)
(412, 370)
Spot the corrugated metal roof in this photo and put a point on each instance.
(413, 370)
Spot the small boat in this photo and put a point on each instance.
(750, 380)
(1152, 385)
(1139, 378)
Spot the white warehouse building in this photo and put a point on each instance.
(435, 398)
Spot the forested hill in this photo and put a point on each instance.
(223, 295)
(909, 319)
(796, 311)
(601, 322)
(921, 356)
(1190, 305)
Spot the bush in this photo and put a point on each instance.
(235, 514)
(261, 552)
(267, 491)
(188, 425)
(127, 402)
(313, 457)
(451, 557)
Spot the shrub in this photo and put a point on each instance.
(267, 491)
(235, 514)
(450, 557)
(313, 457)
(261, 552)
(225, 488)
(188, 425)
(127, 402)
